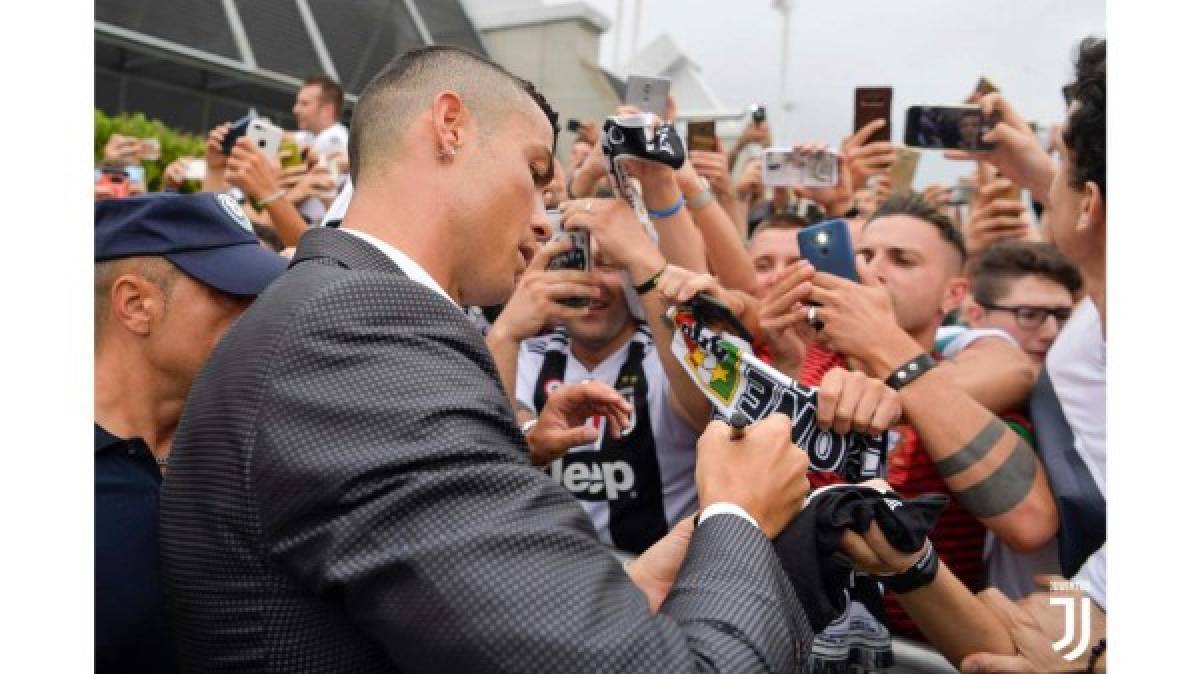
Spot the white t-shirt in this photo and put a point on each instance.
(1076, 365)
(333, 139)
(1092, 576)
(337, 210)
(674, 439)
(952, 339)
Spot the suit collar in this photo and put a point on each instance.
(346, 249)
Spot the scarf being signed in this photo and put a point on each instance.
(727, 371)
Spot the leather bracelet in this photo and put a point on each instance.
(667, 212)
(917, 576)
(651, 283)
(908, 372)
(259, 205)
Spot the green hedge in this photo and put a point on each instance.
(174, 143)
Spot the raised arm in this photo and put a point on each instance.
(991, 471)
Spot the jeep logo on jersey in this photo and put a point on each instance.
(594, 480)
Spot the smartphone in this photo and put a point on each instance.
(648, 94)
(784, 168)
(904, 170)
(573, 125)
(195, 169)
(758, 112)
(713, 312)
(266, 136)
(579, 258)
(702, 135)
(136, 173)
(983, 88)
(151, 149)
(236, 130)
(960, 127)
(870, 104)
(828, 247)
(961, 193)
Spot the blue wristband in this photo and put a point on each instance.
(666, 213)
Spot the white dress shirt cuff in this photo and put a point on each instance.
(726, 508)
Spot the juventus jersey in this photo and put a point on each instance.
(636, 487)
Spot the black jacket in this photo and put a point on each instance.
(348, 492)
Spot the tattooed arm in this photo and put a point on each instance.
(991, 471)
(989, 468)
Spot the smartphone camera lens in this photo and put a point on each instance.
(822, 239)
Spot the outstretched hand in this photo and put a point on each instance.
(563, 422)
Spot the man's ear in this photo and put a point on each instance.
(136, 304)
(972, 312)
(450, 117)
(1092, 213)
(956, 291)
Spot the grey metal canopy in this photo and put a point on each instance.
(196, 63)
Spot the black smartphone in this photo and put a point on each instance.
(713, 312)
(579, 258)
(236, 130)
(870, 104)
(758, 112)
(573, 125)
(828, 247)
(958, 127)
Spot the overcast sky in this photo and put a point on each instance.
(929, 51)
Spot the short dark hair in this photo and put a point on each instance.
(1007, 261)
(1084, 133)
(915, 206)
(331, 91)
(387, 105)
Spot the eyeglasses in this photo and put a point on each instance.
(1032, 318)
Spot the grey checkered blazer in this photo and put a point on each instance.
(348, 493)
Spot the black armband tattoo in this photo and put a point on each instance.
(974, 451)
(1007, 486)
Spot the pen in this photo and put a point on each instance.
(739, 422)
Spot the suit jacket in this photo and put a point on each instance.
(348, 492)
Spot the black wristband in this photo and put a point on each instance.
(908, 372)
(650, 284)
(918, 575)
(1097, 651)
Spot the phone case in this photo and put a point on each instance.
(648, 94)
(828, 247)
(266, 137)
(702, 136)
(904, 170)
(783, 168)
(870, 104)
(578, 258)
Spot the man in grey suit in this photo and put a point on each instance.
(349, 491)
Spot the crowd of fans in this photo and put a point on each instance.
(999, 298)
